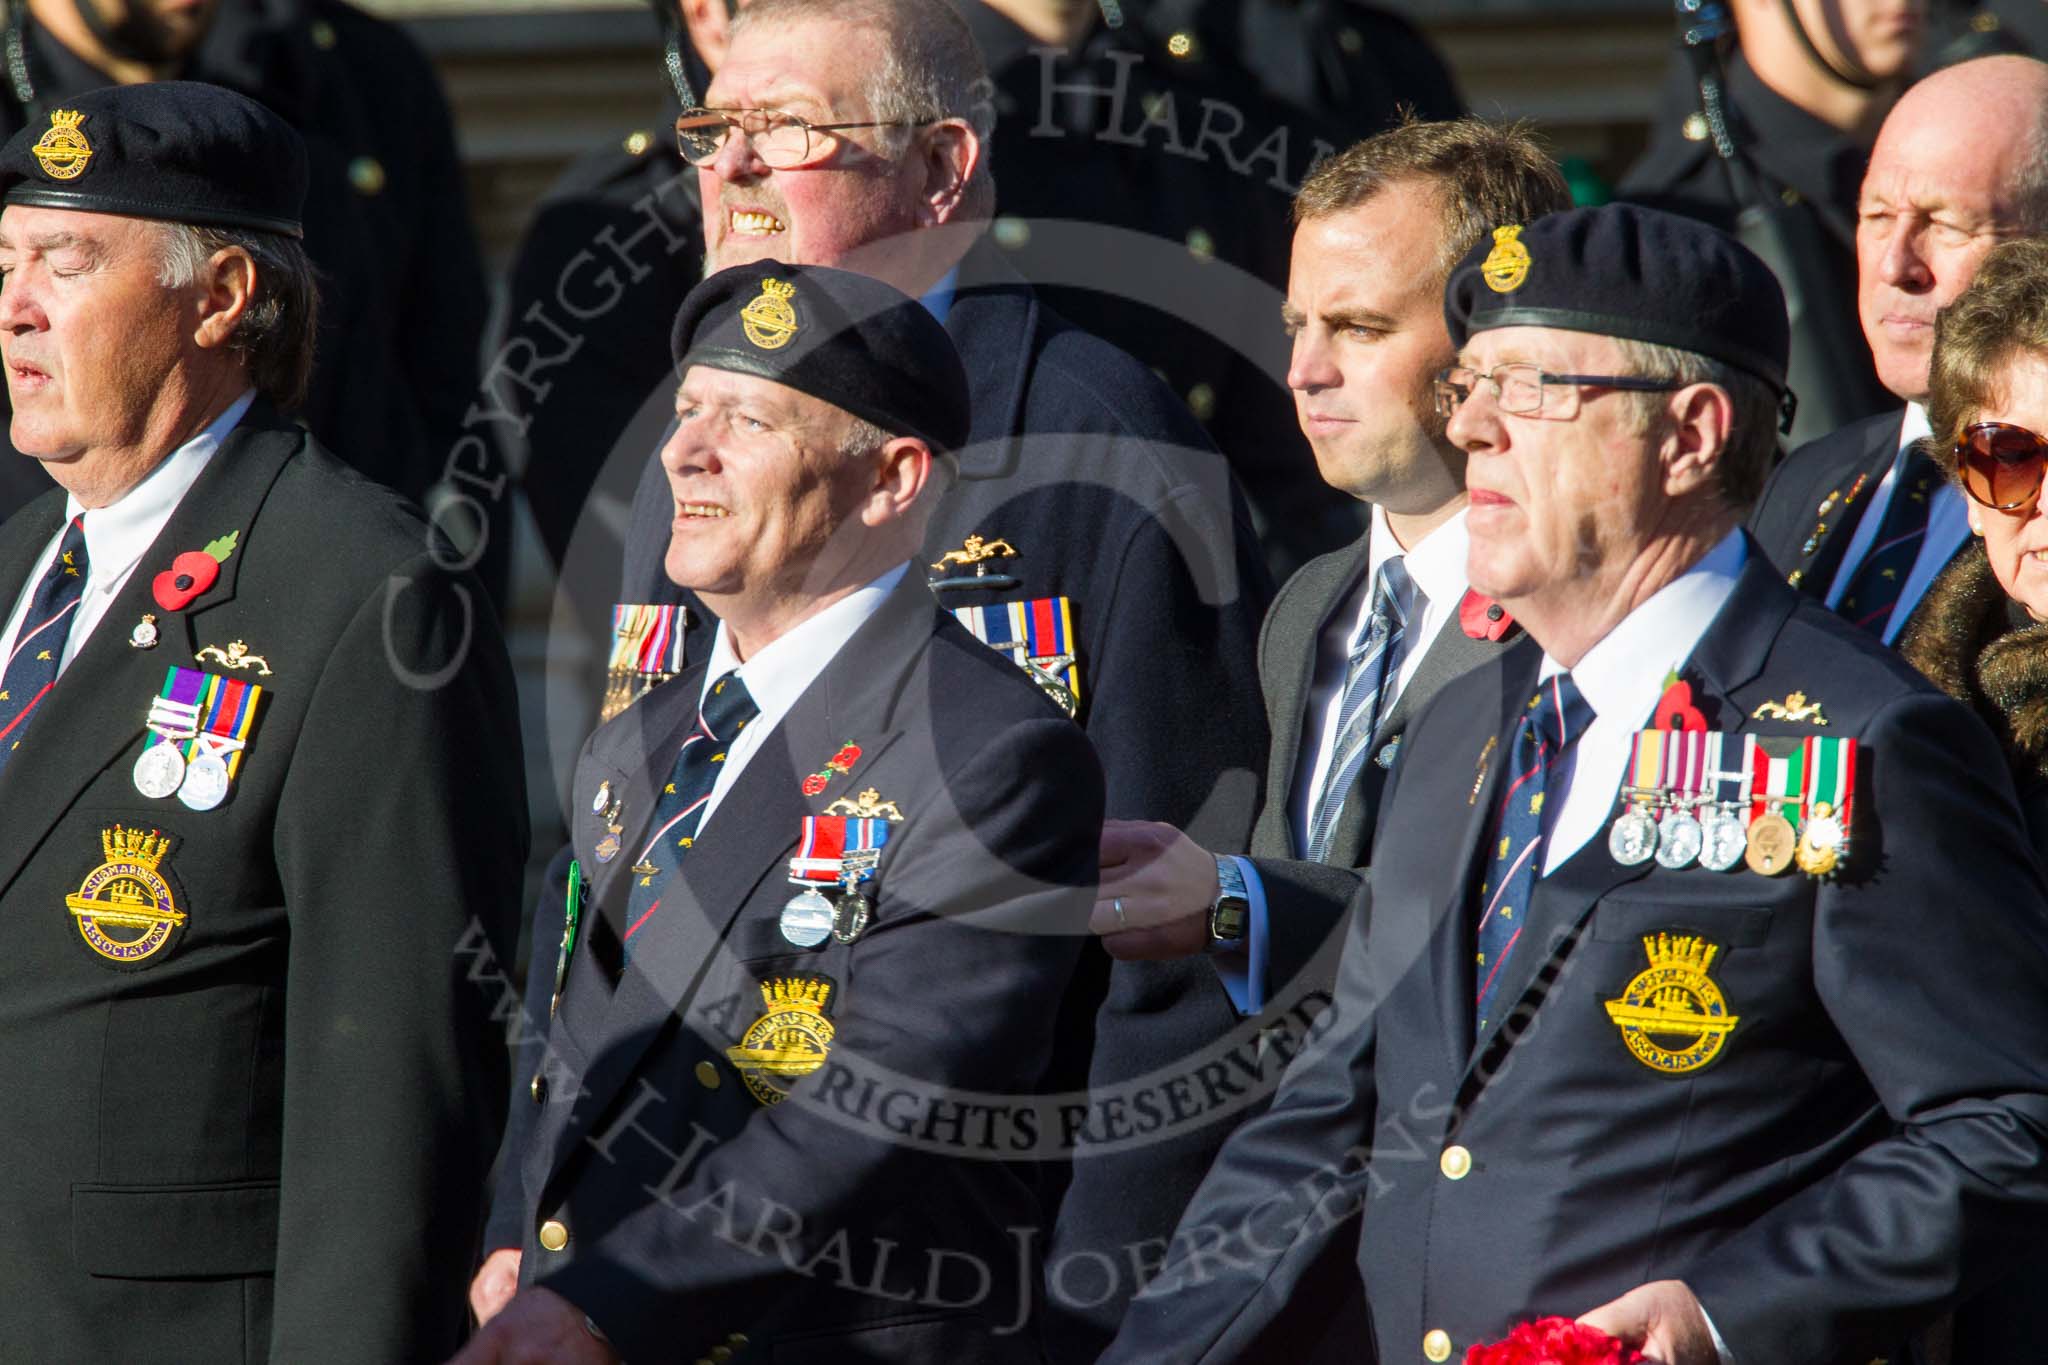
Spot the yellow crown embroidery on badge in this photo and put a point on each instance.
(1507, 265)
(62, 150)
(1672, 1016)
(769, 321)
(132, 845)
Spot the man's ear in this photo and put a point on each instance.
(902, 470)
(709, 26)
(230, 280)
(949, 152)
(1702, 419)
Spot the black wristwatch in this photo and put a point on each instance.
(1231, 910)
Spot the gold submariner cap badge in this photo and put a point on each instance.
(1507, 265)
(62, 150)
(769, 321)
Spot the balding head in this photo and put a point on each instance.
(1960, 165)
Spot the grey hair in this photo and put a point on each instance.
(1753, 435)
(276, 332)
(930, 70)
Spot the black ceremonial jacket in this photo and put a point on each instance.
(266, 1139)
(891, 1207)
(1864, 1150)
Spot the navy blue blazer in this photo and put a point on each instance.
(1864, 1151)
(891, 1206)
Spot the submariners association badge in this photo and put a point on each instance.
(124, 908)
(789, 1041)
(769, 321)
(62, 150)
(1672, 1016)
(1507, 265)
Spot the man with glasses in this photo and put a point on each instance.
(1647, 1022)
(1861, 519)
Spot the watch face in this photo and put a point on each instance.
(1227, 920)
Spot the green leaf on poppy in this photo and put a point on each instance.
(222, 548)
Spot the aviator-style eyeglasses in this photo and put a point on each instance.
(1521, 388)
(782, 140)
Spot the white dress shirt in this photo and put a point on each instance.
(1948, 526)
(1622, 678)
(119, 534)
(1436, 574)
(782, 671)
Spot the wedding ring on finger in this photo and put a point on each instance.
(1116, 907)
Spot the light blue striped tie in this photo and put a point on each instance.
(1365, 677)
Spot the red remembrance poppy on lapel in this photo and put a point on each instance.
(1482, 618)
(1675, 710)
(192, 574)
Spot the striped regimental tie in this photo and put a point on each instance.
(1555, 718)
(39, 648)
(727, 709)
(1358, 711)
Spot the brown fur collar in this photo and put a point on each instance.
(1963, 638)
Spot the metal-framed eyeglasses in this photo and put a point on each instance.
(1522, 388)
(783, 141)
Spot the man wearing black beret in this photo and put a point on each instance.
(1647, 1023)
(262, 785)
(831, 886)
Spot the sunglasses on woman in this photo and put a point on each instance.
(2001, 464)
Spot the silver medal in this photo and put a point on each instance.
(159, 771)
(1723, 840)
(1633, 837)
(807, 919)
(1678, 839)
(850, 920)
(206, 782)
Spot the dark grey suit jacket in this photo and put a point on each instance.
(1305, 900)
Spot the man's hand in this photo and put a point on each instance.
(539, 1327)
(1663, 1320)
(497, 1280)
(1162, 881)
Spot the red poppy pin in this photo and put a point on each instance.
(1482, 618)
(839, 765)
(1675, 710)
(192, 573)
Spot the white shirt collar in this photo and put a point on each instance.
(780, 672)
(117, 535)
(1622, 675)
(1436, 563)
(1914, 426)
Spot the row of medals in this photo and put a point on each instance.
(1717, 838)
(201, 784)
(811, 916)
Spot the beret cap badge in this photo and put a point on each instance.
(62, 151)
(1507, 265)
(769, 321)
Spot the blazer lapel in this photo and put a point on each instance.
(1452, 924)
(99, 705)
(1842, 509)
(1292, 714)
